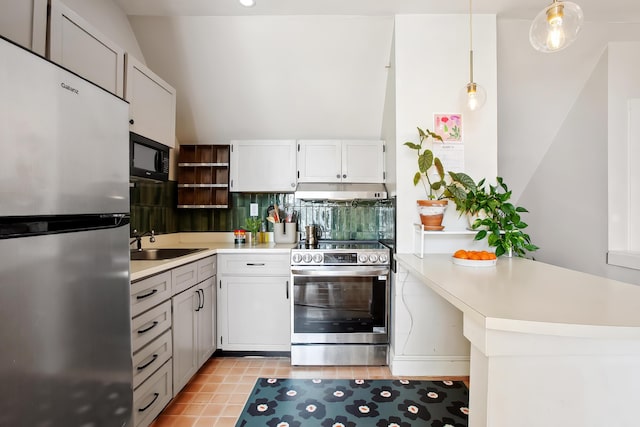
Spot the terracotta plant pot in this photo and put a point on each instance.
(431, 213)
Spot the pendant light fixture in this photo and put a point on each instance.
(247, 3)
(474, 95)
(556, 26)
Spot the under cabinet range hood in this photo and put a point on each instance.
(340, 191)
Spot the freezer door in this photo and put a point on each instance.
(64, 141)
(66, 348)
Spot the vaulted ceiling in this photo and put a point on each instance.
(594, 10)
(296, 68)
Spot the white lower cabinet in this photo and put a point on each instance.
(151, 357)
(152, 396)
(193, 331)
(151, 346)
(253, 303)
(172, 333)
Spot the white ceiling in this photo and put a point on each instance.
(594, 10)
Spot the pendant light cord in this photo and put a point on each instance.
(470, 43)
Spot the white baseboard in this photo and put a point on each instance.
(428, 366)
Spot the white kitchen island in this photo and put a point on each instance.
(549, 346)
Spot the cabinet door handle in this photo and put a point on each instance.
(142, 331)
(201, 292)
(199, 302)
(287, 289)
(153, 359)
(255, 264)
(147, 295)
(155, 397)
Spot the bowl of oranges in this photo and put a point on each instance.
(474, 258)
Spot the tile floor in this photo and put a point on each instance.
(216, 395)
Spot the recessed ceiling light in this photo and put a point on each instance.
(247, 3)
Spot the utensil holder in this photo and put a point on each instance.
(285, 232)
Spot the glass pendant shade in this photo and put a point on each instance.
(556, 26)
(247, 3)
(473, 96)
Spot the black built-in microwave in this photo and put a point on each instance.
(147, 158)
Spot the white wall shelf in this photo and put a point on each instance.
(445, 241)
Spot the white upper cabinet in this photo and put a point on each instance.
(263, 166)
(25, 23)
(78, 46)
(350, 161)
(152, 103)
(320, 160)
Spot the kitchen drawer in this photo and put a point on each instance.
(151, 357)
(184, 277)
(150, 325)
(152, 396)
(254, 265)
(206, 268)
(149, 292)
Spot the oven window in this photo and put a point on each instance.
(339, 304)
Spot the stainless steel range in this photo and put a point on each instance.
(340, 304)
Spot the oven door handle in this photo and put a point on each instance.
(360, 271)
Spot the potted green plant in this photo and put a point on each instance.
(497, 219)
(471, 199)
(431, 210)
(252, 224)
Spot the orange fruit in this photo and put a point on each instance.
(461, 253)
(492, 255)
(484, 255)
(474, 255)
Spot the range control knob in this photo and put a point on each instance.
(373, 258)
(383, 258)
(317, 258)
(363, 258)
(306, 257)
(296, 258)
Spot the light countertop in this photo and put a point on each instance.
(212, 244)
(522, 295)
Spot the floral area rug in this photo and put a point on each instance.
(350, 403)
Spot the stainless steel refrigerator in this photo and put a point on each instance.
(65, 351)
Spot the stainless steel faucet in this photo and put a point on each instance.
(138, 238)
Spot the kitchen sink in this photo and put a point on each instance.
(160, 254)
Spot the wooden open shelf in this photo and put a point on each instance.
(203, 176)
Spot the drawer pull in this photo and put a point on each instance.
(255, 264)
(142, 331)
(147, 295)
(155, 397)
(153, 359)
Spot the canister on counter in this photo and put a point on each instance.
(240, 237)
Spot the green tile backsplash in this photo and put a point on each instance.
(153, 206)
